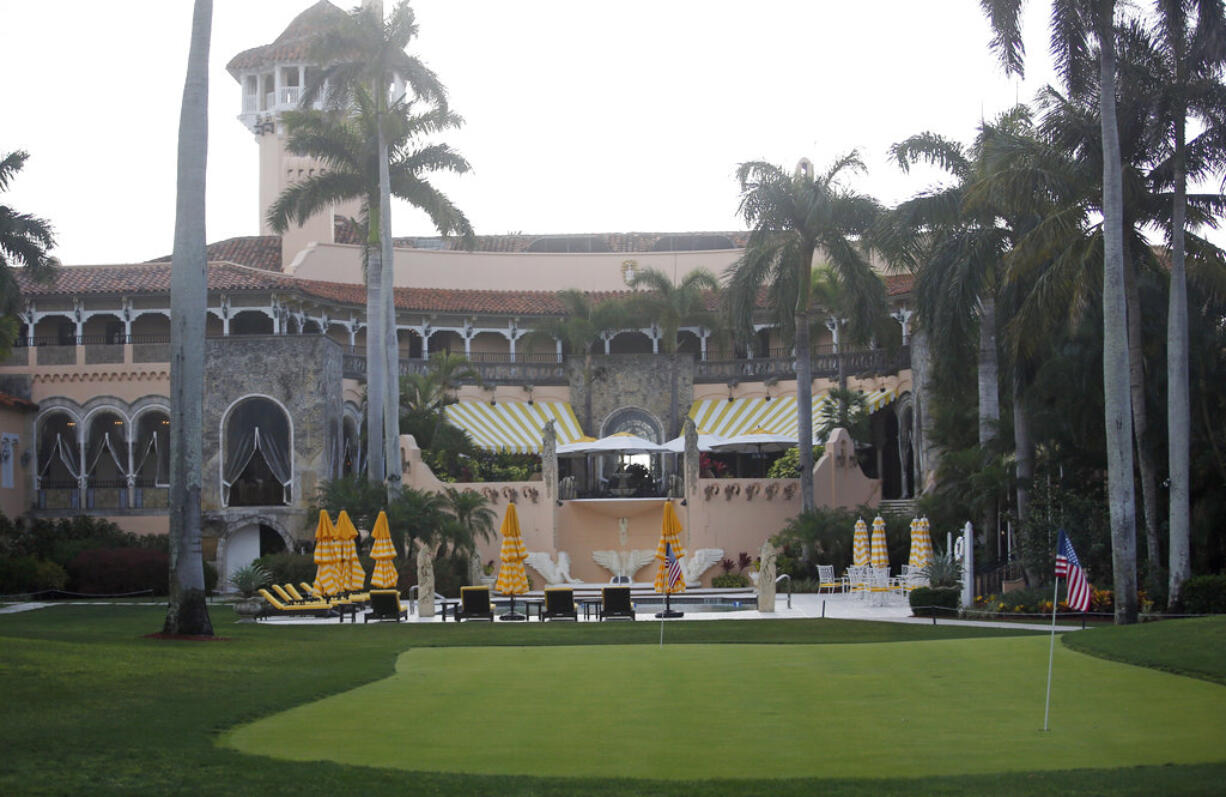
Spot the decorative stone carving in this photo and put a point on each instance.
(766, 577)
(553, 573)
(695, 563)
(624, 564)
(425, 582)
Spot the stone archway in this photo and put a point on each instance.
(243, 539)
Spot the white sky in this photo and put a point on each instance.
(581, 116)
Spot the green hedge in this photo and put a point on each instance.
(23, 574)
(946, 597)
(730, 581)
(1204, 594)
(116, 571)
(288, 568)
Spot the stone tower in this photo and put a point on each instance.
(272, 78)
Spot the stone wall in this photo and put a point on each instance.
(643, 381)
(303, 374)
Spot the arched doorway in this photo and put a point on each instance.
(258, 464)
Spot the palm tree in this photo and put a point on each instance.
(792, 217)
(473, 519)
(24, 242)
(186, 611)
(366, 55)
(347, 146)
(668, 306)
(1076, 25)
(582, 323)
(429, 391)
(1193, 57)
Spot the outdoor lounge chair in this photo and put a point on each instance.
(283, 595)
(474, 604)
(615, 604)
(278, 607)
(295, 594)
(385, 606)
(560, 604)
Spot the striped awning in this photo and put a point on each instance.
(739, 416)
(514, 426)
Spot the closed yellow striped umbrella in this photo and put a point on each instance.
(384, 576)
(670, 535)
(880, 556)
(859, 545)
(349, 570)
(512, 580)
(326, 582)
(921, 544)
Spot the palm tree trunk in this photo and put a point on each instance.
(376, 359)
(989, 373)
(989, 407)
(1120, 491)
(186, 611)
(804, 408)
(1023, 448)
(391, 407)
(921, 367)
(1178, 405)
(1140, 423)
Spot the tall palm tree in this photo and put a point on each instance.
(430, 391)
(792, 217)
(668, 306)
(1076, 26)
(366, 55)
(186, 611)
(1193, 56)
(473, 518)
(582, 323)
(24, 242)
(348, 147)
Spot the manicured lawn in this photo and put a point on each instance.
(732, 711)
(89, 706)
(1195, 647)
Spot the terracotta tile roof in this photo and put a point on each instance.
(8, 401)
(345, 232)
(293, 44)
(154, 278)
(256, 251)
(898, 284)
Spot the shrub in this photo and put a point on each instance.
(21, 574)
(1204, 594)
(288, 568)
(944, 597)
(113, 571)
(249, 579)
(730, 580)
(944, 571)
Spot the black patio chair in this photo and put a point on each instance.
(474, 604)
(385, 606)
(615, 604)
(560, 604)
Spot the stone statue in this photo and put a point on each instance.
(766, 578)
(425, 582)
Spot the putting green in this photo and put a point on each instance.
(753, 711)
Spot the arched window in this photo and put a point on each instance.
(257, 466)
(152, 452)
(59, 464)
(106, 451)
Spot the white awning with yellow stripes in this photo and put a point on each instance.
(514, 426)
(778, 414)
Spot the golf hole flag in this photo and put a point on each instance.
(673, 566)
(1069, 568)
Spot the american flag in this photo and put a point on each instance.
(674, 567)
(1069, 567)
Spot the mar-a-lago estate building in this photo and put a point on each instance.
(84, 409)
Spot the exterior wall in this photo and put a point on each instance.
(16, 438)
(502, 271)
(303, 375)
(634, 380)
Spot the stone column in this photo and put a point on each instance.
(766, 577)
(692, 457)
(425, 582)
(549, 474)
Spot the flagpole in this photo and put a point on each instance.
(1051, 652)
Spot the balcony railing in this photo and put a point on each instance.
(503, 371)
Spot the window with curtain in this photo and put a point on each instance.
(106, 451)
(257, 466)
(58, 452)
(151, 456)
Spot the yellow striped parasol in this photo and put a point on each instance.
(326, 582)
(349, 569)
(670, 535)
(921, 545)
(859, 545)
(880, 556)
(512, 580)
(384, 576)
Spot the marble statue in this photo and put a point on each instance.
(425, 582)
(766, 577)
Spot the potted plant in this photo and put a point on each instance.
(248, 580)
(487, 574)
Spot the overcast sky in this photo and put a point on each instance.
(581, 116)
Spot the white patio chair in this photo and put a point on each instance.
(827, 582)
(857, 581)
(880, 585)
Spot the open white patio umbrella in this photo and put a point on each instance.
(619, 443)
(706, 442)
(755, 441)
